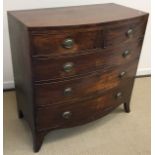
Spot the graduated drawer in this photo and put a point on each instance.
(59, 67)
(77, 113)
(83, 87)
(78, 39)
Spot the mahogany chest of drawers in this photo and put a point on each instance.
(73, 65)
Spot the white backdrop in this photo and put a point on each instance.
(144, 5)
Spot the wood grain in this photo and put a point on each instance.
(82, 112)
(78, 15)
(51, 68)
(106, 35)
(84, 87)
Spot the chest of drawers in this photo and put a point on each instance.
(73, 65)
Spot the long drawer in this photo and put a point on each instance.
(78, 113)
(83, 87)
(58, 67)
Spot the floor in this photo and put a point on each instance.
(118, 133)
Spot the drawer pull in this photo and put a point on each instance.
(126, 53)
(122, 74)
(130, 33)
(68, 91)
(119, 95)
(68, 66)
(67, 114)
(68, 43)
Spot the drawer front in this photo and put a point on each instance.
(83, 87)
(78, 113)
(117, 34)
(68, 42)
(76, 40)
(60, 67)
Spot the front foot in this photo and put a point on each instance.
(38, 138)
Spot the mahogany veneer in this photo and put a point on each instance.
(73, 65)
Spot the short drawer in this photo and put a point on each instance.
(83, 87)
(124, 32)
(78, 113)
(67, 42)
(59, 67)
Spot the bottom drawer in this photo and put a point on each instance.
(77, 113)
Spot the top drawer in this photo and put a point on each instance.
(124, 32)
(67, 42)
(71, 40)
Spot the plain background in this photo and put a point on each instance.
(144, 5)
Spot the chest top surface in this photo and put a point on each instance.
(77, 15)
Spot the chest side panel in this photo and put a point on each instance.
(20, 49)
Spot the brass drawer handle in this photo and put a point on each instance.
(130, 33)
(126, 53)
(68, 43)
(118, 95)
(68, 66)
(68, 91)
(122, 74)
(66, 115)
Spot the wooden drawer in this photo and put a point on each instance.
(83, 87)
(124, 32)
(77, 113)
(67, 42)
(58, 67)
